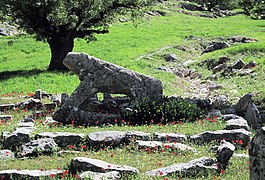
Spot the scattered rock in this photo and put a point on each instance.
(253, 116)
(38, 147)
(246, 72)
(239, 123)
(224, 153)
(251, 64)
(219, 68)
(102, 176)
(137, 135)
(240, 135)
(242, 105)
(28, 119)
(241, 155)
(179, 147)
(220, 101)
(216, 46)
(6, 107)
(227, 117)
(190, 6)
(28, 174)
(82, 164)
(213, 86)
(239, 64)
(256, 155)
(30, 103)
(5, 118)
(26, 124)
(200, 166)
(106, 138)
(63, 139)
(215, 113)
(171, 58)
(17, 138)
(166, 69)
(154, 145)
(241, 39)
(169, 137)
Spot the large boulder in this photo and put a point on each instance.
(29, 174)
(100, 76)
(224, 153)
(253, 116)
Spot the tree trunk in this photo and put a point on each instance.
(60, 46)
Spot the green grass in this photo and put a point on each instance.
(23, 64)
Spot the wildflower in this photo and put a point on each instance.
(83, 146)
(222, 171)
(112, 155)
(160, 164)
(41, 169)
(109, 166)
(52, 175)
(213, 120)
(161, 173)
(71, 146)
(65, 172)
(241, 142)
(165, 179)
(173, 122)
(180, 122)
(73, 122)
(167, 146)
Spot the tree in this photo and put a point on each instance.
(220, 4)
(59, 22)
(254, 8)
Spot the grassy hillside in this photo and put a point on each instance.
(22, 57)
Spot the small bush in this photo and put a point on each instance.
(254, 8)
(167, 110)
(219, 4)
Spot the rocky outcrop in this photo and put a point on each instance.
(100, 76)
(28, 174)
(224, 153)
(169, 137)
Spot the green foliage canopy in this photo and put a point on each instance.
(58, 21)
(254, 8)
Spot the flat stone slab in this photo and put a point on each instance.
(63, 139)
(192, 168)
(169, 137)
(6, 154)
(137, 135)
(106, 138)
(82, 164)
(227, 117)
(26, 124)
(100, 176)
(148, 144)
(179, 147)
(239, 123)
(240, 135)
(38, 147)
(28, 174)
(4, 107)
(5, 117)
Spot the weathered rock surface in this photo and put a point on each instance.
(227, 117)
(28, 174)
(82, 164)
(239, 64)
(228, 135)
(5, 117)
(30, 103)
(179, 147)
(253, 116)
(169, 137)
(239, 123)
(156, 145)
(216, 46)
(38, 147)
(241, 39)
(17, 138)
(100, 76)
(192, 168)
(106, 138)
(6, 107)
(26, 124)
(63, 139)
(256, 155)
(102, 176)
(224, 153)
(137, 135)
(242, 105)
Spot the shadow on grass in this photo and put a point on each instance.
(5, 75)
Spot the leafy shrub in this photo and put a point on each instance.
(167, 110)
(219, 4)
(254, 8)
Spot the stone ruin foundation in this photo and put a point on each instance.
(98, 76)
